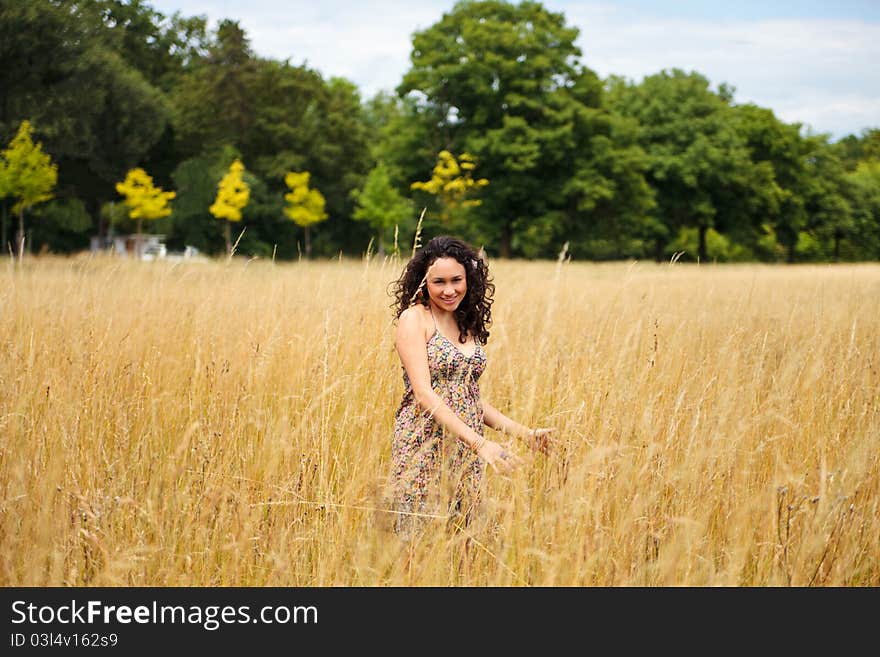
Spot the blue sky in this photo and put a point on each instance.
(812, 62)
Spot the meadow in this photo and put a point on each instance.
(218, 424)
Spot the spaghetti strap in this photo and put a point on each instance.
(431, 310)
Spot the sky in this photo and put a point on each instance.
(812, 62)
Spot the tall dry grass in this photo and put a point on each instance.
(213, 424)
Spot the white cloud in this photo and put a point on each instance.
(820, 72)
(368, 43)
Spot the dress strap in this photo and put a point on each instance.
(431, 310)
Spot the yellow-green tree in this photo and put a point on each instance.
(27, 174)
(233, 193)
(304, 206)
(451, 182)
(144, 200)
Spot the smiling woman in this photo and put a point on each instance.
(443, 302)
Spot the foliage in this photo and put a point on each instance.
(305, 207)
(144, 199)
(26, 172)
(233, 194)
(504, 83)
(451, 183)
(380, 205)
(864, 194)
(700, 164)
(62, 227)
(826, 198)
(616, 168)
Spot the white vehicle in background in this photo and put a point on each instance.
(189, 253)
(150, 246)
(154, 251)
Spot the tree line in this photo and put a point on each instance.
(498, 129)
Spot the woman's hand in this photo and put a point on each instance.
(541, 439)
(499, 457)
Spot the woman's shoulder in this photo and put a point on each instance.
(416, 317)
(415, 312)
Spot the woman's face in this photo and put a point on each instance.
(447, 283)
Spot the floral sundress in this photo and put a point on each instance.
(430, 465)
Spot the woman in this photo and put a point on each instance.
(443, 302)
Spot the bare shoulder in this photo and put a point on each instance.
(415, 321)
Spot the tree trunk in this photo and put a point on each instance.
(138, 245)
(19, 236)
(788, 237)
(701, 249)
(228, 238)
(506, 240)
(308, 244)
(658, 249)
(3, 229)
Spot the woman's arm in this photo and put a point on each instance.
(537, 439)
(495, 419)
(410, 343)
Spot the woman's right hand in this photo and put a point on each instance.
(499, 457)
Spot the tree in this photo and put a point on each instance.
(26, 174)
(489, 73)
(233, 194)
(380, 205)
(144, 200)
(504, 83)
(280, 118)
(827, 197)
(215, 101)
(864, 185)
(851, 150)
(304, 206)
(63, 69)
(700, 165)
(608, 209)
(451, 183)
(781, 146)
(63, 226)
(157, 46)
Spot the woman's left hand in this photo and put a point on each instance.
(541, 439)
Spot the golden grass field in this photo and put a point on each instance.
(224, 424)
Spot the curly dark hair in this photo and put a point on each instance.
(474, 313)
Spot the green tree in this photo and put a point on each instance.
(62, 226)
(852, 150)
(285, 118)
(608, 202)
(196, 180)
(305, 206)
(504, 82)
(158, 46)
(63, 70)
(700, 166)
(144, 200)
(215, 101)
(233, 193)
(864, 187)
(380, 205)
(827, 197)
(27, 174)
(339, 160)
(781, 146)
